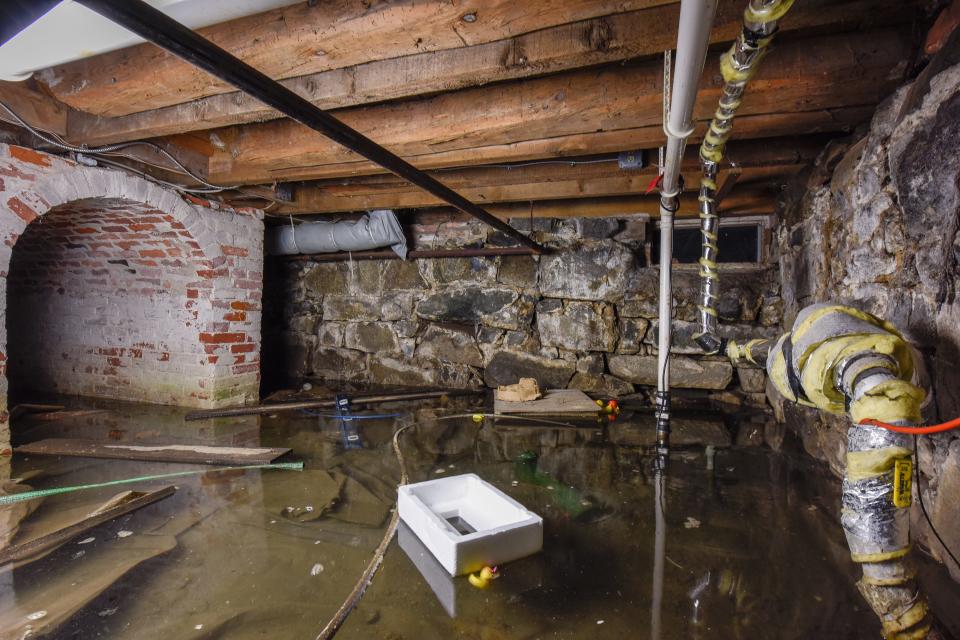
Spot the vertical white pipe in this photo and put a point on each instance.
(693, 36)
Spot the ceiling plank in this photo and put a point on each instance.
(612, 183)
(745, 200)
(590, 42)
(759, 161)
(307, 38)
(809, 74)
(760, 126)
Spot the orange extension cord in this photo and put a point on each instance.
(916, 431)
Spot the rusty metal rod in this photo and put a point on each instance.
(344, 256)
(165, 32)
(261, 409)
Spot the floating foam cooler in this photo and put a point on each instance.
(468, 524)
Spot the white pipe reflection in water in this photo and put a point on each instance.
(659, 552)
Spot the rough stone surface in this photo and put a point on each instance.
(370, 337)
(554, 316)
(603, 384)
(493, 307)
(874, 225)
(450, 343)
(577, 326)
(752, 380)
(596, 271)
(507, 367)
(518, 271)
(688, 373)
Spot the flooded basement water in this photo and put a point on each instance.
(753, 548)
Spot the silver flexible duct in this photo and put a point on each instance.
(377, 229)
(847, 362)
(737, 66)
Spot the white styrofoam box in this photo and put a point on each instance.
(494, 528)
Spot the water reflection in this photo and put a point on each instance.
(750, 549)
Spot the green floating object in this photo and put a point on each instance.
(42, 493)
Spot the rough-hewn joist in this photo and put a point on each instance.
(598, 40)
(758, 161)
(762, 126)
(744, 200)
(306, 38)
(609, 183)
(37, 109)
(804, 75)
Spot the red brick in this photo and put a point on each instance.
(21, 208)
(234, 251)
(193, 294)
(235, 316)
(247, 347)
(152, 253)
(222, 338)
(29, 155)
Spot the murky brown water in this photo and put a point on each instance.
(753, 548)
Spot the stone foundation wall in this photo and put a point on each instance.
(116, 287)
(874, 225)
(582, 317)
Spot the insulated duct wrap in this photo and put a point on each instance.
(737, 66)
(843, 360)
(377, 229)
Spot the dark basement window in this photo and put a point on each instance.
(738, 243)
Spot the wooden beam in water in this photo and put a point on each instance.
(185, 453)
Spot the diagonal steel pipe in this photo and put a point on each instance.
(165, 32)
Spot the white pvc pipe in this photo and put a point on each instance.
(693, 36)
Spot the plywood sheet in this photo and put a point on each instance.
(554, 402)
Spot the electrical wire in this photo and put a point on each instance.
(56, 141)
(916, 431)
(923, 507)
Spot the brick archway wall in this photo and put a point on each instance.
(117, 287)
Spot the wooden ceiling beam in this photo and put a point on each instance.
(36, 108)
(769, 160)
(804, 75)
(307, 38)
(560, 147)
(613, 183)
(744, 200)
(605, 39)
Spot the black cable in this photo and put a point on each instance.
(923, 507)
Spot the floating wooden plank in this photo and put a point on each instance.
(553, 402)
(26, 408)
(186, 453)
(598, 40)
(122, 504)
(807, 75)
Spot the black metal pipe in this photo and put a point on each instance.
(17, 15)
(165, 32)
(346, 256)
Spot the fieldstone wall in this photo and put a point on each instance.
(874, 225)
(582, 317)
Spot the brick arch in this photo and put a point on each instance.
(196, 269)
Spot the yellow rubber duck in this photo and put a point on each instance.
(483, 579)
